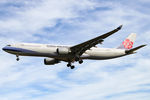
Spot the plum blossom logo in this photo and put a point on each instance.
(128, 44)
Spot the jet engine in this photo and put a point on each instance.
(50, 61)
(62, 50)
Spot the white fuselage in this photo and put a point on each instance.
(46, 50)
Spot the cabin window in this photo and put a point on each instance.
(51, 46)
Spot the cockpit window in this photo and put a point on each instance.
(9, 45)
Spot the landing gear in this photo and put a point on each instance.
(68, 65)
(76, 58)
(71, 66)
(17, 58)
(80, 61)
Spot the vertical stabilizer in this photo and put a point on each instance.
(128, 42)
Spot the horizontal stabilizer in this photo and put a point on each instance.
(131, 51)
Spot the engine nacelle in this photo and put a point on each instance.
(63, 50)
(50, 61)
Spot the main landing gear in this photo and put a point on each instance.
(71, 66)
(17, 58)
(80, 61)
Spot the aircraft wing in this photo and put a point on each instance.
(82, 47)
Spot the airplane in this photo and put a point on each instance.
(54, 54)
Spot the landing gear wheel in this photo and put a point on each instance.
(17, 58)
(68, 65)
(72, 67)
(81, 61)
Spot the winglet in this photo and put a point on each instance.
(131, 51)
(119, 27)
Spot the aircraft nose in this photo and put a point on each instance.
(4, 48)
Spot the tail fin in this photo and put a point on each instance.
(128, 42)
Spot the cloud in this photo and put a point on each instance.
(72, 22)
(31, 20)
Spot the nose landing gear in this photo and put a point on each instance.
(17, 58)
